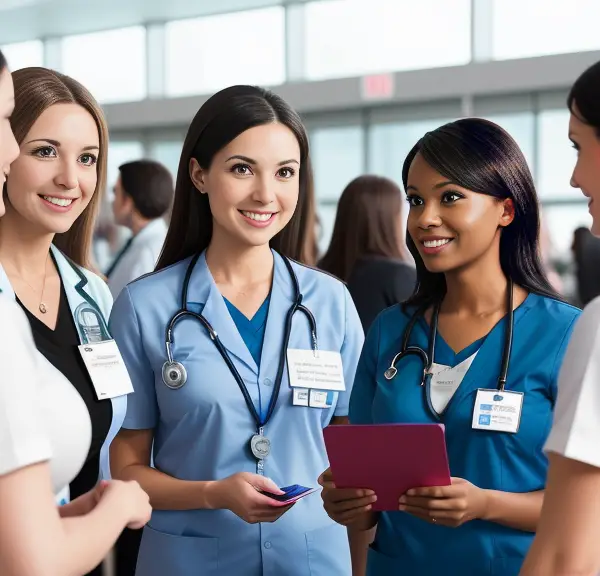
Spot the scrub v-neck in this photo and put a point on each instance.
(251, 330)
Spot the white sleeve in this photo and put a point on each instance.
(22, 432)
(576, 429)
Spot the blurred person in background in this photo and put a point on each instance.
(367, 249)
(569, 529)
(546, 251)
(45, 434)
(143, 195)
(586, 256)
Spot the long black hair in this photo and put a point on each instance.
(585, 95)
(220, 120)
(480, 156)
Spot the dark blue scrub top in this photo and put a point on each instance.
(491, 460)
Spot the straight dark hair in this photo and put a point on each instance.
(583, 100)
(480, 156)
(150, 185)
(3, 62)
(221, 119)
(367, 223)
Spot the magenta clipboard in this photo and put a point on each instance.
(387, 458)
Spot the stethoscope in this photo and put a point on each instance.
(174, 374)
(427, 357)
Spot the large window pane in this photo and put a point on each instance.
(337, 155)
(168, 153)
(111, 65)
(24, 54)
(556, 157)
(205, 55)
(355, 37)
(525, 28)
(521, 126)
(389, 145)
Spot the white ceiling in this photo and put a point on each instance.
(29, 19)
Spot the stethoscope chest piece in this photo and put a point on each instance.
(390, 372)
(174, 375)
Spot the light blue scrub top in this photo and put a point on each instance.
(202, 430)
(491, 460)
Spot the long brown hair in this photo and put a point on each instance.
(36, 89)
(220, 120)
(367, 223)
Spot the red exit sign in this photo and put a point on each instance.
(377, 86)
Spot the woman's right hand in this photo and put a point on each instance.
(346, 506)
(131, 499)
(240, 493)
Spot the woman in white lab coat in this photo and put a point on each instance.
(569, 529)
(44, 440)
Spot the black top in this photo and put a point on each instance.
(376, 283)
(59, 346)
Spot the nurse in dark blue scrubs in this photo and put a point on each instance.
(473, 231)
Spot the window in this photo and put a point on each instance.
(111, 65)
(207, 54)
(556, 157)
(521, 126)
(526, 28)
(337, 156)
(167, 153)
(355, 37)
(389, 145)
(24, 54)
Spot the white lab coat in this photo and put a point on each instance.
(141, 256)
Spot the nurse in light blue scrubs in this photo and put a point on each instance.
(214, 409)
(473, 231)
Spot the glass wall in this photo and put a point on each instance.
(526, 28)
(24, 54)
(355, 37)
(111, 65)
(203, 57)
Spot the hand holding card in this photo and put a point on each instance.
(291, 494)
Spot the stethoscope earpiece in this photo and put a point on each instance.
(174, 375)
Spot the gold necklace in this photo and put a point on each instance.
(42, 306)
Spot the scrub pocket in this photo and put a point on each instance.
(328, 551)
(163, 554)
(510, 566)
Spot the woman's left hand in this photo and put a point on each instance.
(446, 505)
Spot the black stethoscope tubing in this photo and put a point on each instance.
(427, 357)
(296, 306)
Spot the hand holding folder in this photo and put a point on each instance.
(387, 459)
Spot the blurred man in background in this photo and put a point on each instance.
(143, 195)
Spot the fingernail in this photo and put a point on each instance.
(401, 508)
(402, 499)
(410, 493)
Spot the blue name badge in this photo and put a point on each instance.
(497, 412)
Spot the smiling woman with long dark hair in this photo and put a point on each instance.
(367, 249)
(473, 230)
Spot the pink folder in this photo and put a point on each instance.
(387, 458)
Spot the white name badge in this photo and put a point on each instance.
(321, 370)
(498, 411)
(106, 369)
